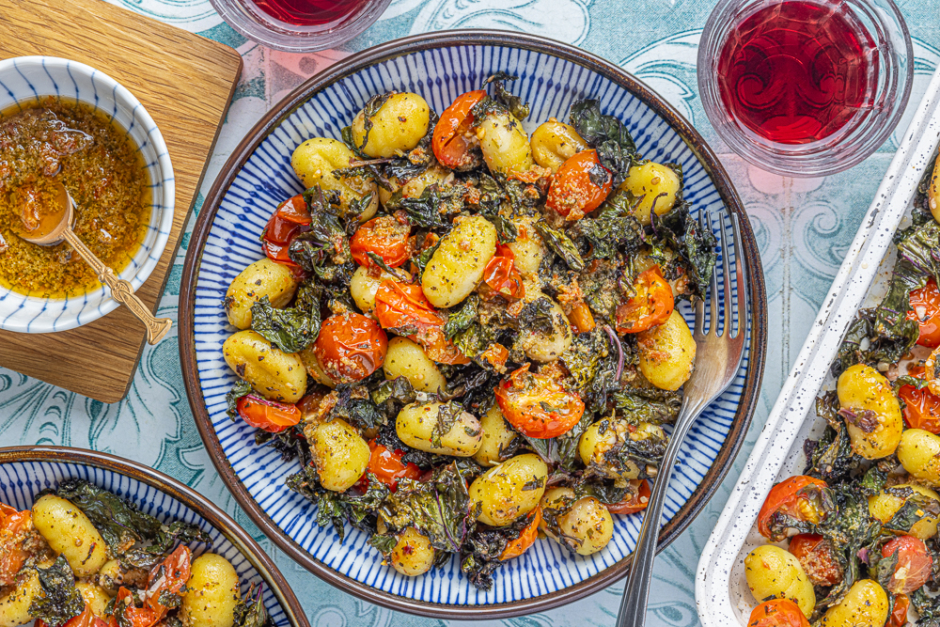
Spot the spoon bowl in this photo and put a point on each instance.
(57, 228)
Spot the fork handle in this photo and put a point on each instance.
(636, 593)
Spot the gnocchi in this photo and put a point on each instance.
(497, 436)
(440, 429)
(657, 185)
(211, 594)
(583, 525)
(276, 375)
(507, 492)
(397, 127)
(504, 143)
(413, 554)
(864, 605)
(874, 422)
(263, 278)
(456, 267)
(772, 572)
(667, 353)
(69, 532)
(315, 162)
(14, 605)
(407, 359)
(339, 452)
(554, 142)
(919, 453)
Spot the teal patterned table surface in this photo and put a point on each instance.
(803, 229)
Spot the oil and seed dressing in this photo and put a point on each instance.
(53, 140)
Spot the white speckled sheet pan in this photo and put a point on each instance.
(721, 593)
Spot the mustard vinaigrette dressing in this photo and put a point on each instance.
(100, 166)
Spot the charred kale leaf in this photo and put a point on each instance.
(292, 329)
(138, 539)
(606, 134)
(250, 610)
(695, 245)
(461, 319)
(650, 405)
(60, 600)
(240, 389)
(427, 210)
(439, 508)
(561, 245)
(612, 228)
(502, 95)
(338, 508)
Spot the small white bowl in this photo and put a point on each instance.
(23, 80)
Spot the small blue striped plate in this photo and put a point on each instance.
(440, 67)
(25, 79)
(26, 471)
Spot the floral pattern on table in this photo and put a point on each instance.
(803, 228)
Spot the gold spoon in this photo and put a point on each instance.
(58, 227)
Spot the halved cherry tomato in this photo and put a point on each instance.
(405, 308)
(652, 305)
(400, 306)
(13, 528)
(816, 556)
(350, 347)
(798, 497)
(898, 616)
(501, 274)
(495, 355)
(581, 318)
(922, 408)
(777, 613)
(913, 567)
(527, 537)
(925, 310)
(537, 405)
(289, 220)
(385, 236)
(267, 415)
(387, 467)
(636, 499)
(451, 141)
(169, 576)
(579, 186)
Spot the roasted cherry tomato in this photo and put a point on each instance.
(636, 499)
(270, 416)
(169, 576)
(817, 558)
(581, 318)
(86, 619)
(386, 237)
(501, 274)
(289, 220)
(914, 564)
(387, 467)
(537, 405)
(452, 140)
(495, 355)
(925, 310)
(350, 347)
(401, 306)
(922, 408)
(777, 613)
(14, 525)
(527, 537)
(898, 616)
(652, 305)
(798, 497)
(580, 186)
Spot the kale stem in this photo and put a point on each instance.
(616, 342)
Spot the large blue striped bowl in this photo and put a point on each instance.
(25, 471)
(23, 80)
(258, 176)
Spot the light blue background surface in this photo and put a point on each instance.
(803, 228)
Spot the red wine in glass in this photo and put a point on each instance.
(797, 71)
(309, 12)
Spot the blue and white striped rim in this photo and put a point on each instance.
(24, 79)
(28, 470)
(440, 67)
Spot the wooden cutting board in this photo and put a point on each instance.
(186, 83)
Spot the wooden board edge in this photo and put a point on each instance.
(189, 214)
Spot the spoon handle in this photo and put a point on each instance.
(121, 290)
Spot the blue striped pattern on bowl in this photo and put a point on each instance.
(24, 79)
(551, 85)
(20, 481)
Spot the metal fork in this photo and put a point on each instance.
(717, 359)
